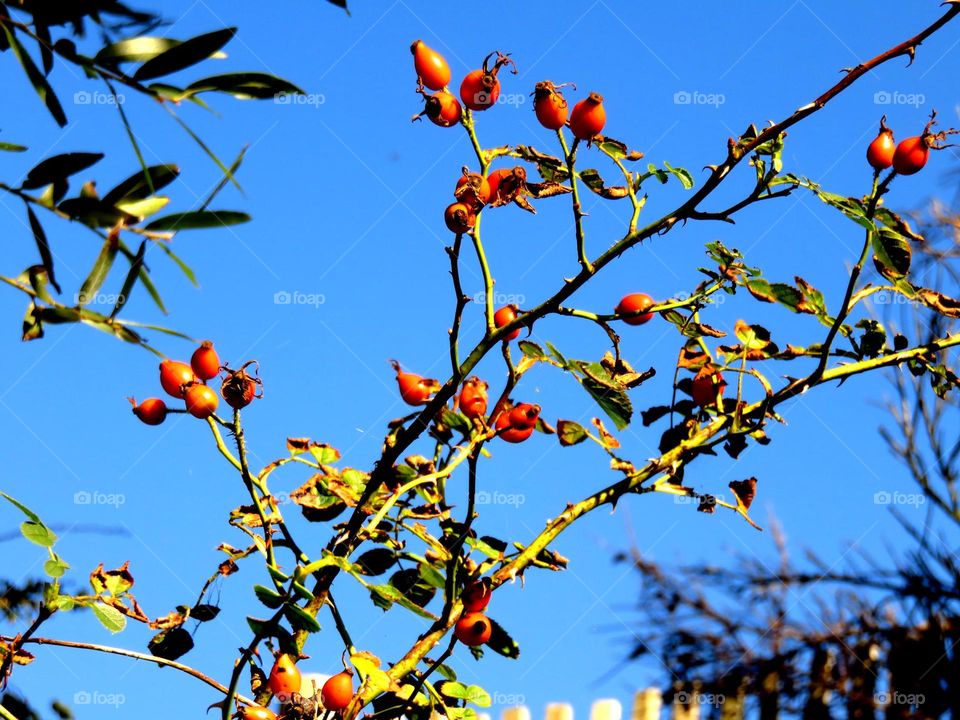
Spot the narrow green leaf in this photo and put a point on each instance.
(138, 49)
(137, 186)
(203, 146)
(99, 271)
(22, 508)
(12, 147)
(261, 86)
(187, 53)
(36, 78)
(43, 247)
(198, 219)
(130, 280)
(59, 167)
(143, 208)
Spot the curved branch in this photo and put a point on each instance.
(140, 656)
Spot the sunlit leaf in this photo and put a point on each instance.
(187, 53)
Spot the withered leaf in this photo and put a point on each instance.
(745, 490)
(115, 582)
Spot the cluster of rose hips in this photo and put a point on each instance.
(479, 91)
(188, 382)
(474, 628)
(514, 422)
(285, 682)
(909, 156)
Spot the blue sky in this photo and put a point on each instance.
(347, 197)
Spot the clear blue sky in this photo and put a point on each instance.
(347, 196)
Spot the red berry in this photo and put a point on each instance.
(201, 401)
(442, 109)
(459, 218)
(337, 692)
(473, 398)
(472, 189)
(911, 155)
(205, 361)
(880, 151)
(284, 677)
(707, 385)
(504, 316)
(635, 303)
(431, 67)
(473, 629)
(588, 117)
(524, 416)
(151, 411)
(550, 106)
(415, 389)
(175, 376)
(476, 596)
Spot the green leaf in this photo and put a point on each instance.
(185, 54)
(228, 172)
(22, 508)
(99, 271)
(94, 212)
(38, 533)
(609, 394)
(138, 49)
(388, 595)
(55, 567)
(501, 642)
(43, 247)
(470, 693)
(684, 176)
(591, 178)
(255, 85)
(570, 432)
(130, 280)
(62, 603)
(268, 597)
(256, 625)
(12, 147)
(531, 350)
(199, 219)
(109, 617)
(184, 268)
(36, 78)
(136, 187)
(143, 208)
(59, 167)
(300, 619)
(891, 254)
